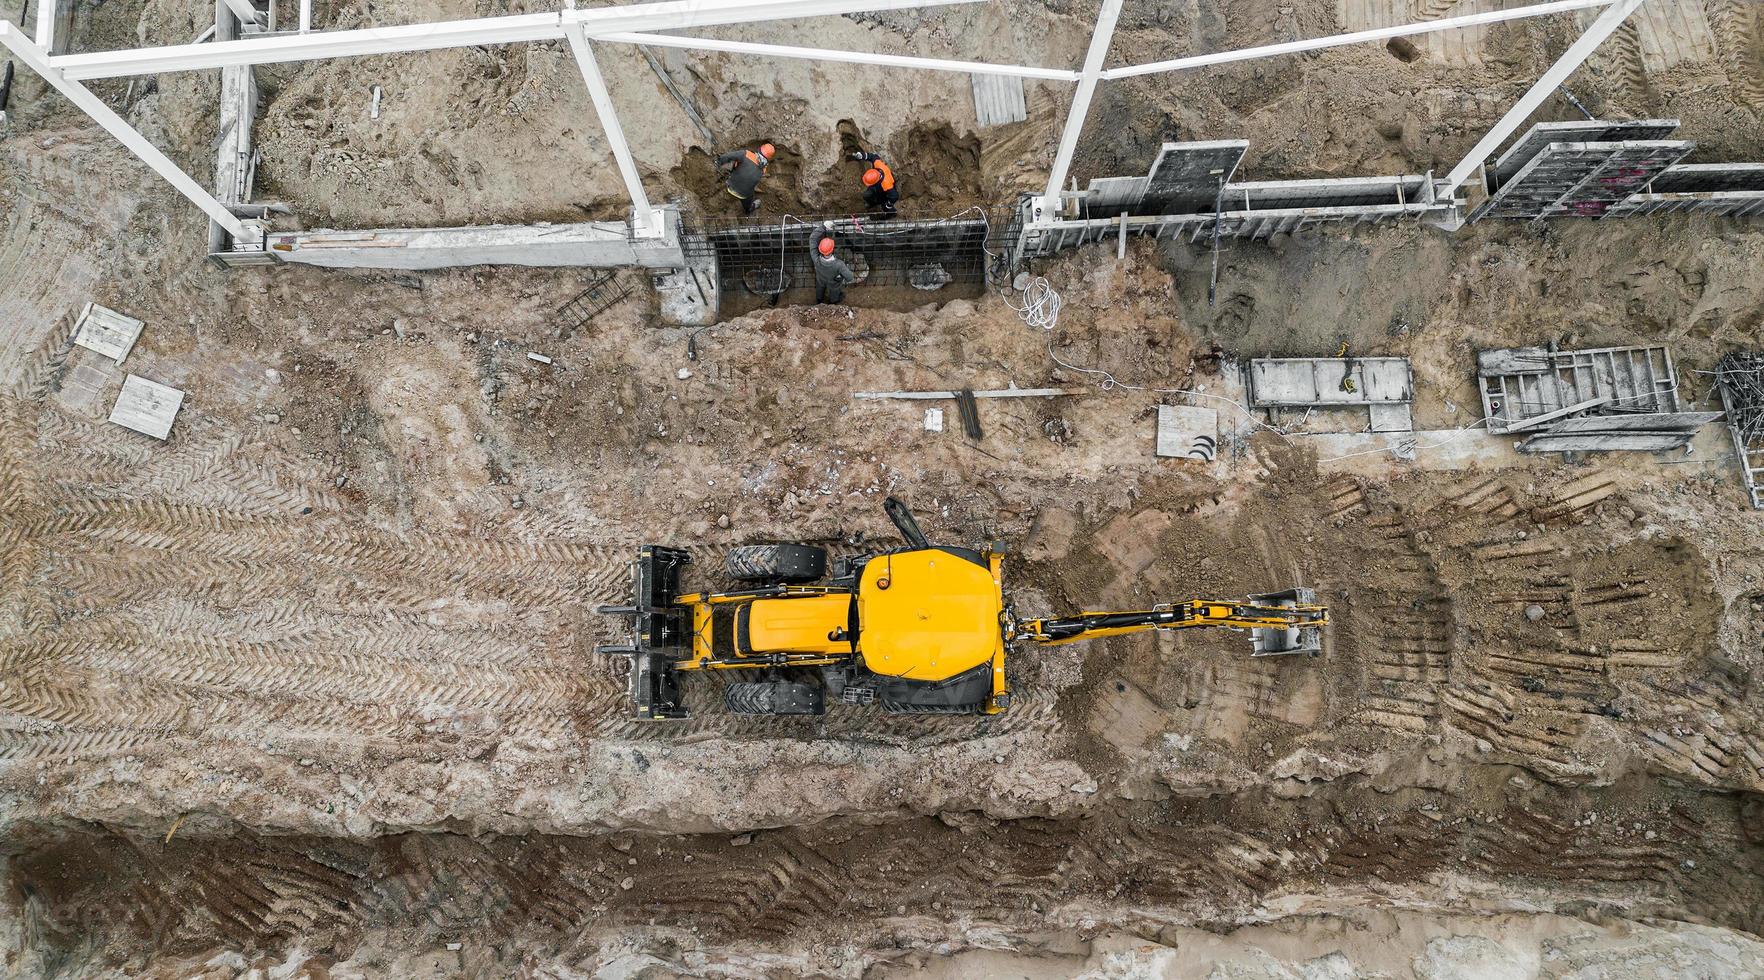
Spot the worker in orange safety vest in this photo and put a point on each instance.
(880, 190)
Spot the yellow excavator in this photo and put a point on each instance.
(920, 629)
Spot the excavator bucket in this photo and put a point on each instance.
(1303, 637)
(661, 631)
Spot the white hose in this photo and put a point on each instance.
(1041, 304)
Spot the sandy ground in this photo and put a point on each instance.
(309, 686)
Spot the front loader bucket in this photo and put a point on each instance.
(1267, 641)
(660, 632)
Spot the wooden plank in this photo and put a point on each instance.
(996, 393)
(1537, 420)
(1608, 442)
(998, 100)
(106, 331)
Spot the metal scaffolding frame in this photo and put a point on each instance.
(638, 24)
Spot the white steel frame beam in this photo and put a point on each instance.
(828, 54)
(246, 14)
(670, 15)
(635, 25)
(1100, 38)
(1355, 37)
(643, 218)
(34, 58)
(1577, 53)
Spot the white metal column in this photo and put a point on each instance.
(34, 58)
(645, 222)
(1087, 79)
(1602, 28)
(46, 23)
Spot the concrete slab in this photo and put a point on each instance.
(594, 244)
(689, 296)
(1186, 432)
(83, 389)
(1426, 449)
(106, 331)
(147, 407)
(1391, 418)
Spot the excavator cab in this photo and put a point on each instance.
(919, 629)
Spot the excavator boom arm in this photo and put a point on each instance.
(1284, 622)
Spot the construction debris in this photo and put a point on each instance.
(147, 407)
(970, 414)
(106, 331)
(603, 292)
(1739, 377)
(1608, 398)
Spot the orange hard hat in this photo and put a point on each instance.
(826, 246)
(872, 177)
(768, 151)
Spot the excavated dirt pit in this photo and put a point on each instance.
(308, 688)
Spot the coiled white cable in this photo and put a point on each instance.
(1041, 304)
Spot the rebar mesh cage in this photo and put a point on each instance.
(768, 255)
(604, 291)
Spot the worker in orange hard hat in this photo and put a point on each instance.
(745, 168)
(880, 191)
(831, 273)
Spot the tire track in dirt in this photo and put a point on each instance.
(1653, 848)
(1738, 29)
(182, 596)
(1405, 640)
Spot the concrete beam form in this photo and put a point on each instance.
(1553, 77)
(849, 57)
(37, 60)
(1046, 237)
(1100, 39)
(317, 45)
(596, 244)
(1355, 37)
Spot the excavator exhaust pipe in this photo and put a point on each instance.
(1268, 641)
(902, 516)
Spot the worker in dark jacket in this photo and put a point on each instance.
(831, 273)
(745, 168)
(880, 191)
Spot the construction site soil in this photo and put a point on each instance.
(308, 688)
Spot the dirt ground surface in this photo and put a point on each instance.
(307, 690)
